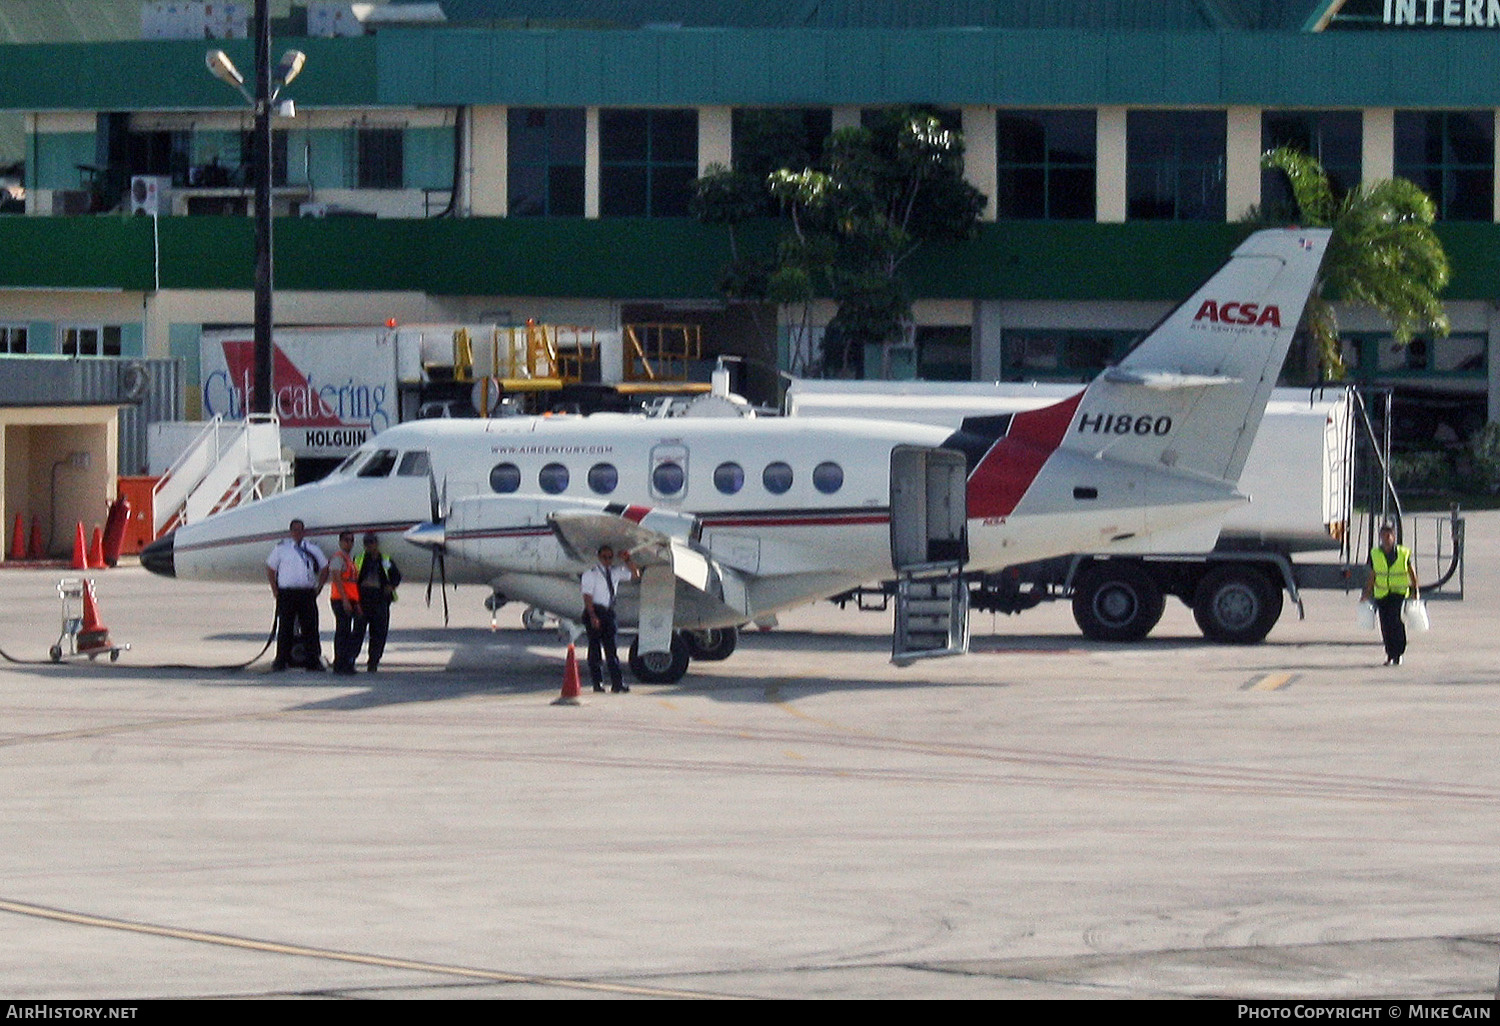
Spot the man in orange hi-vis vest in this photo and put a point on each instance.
(343, 594)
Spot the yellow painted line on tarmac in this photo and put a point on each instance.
(1273, 681)
(326, 954)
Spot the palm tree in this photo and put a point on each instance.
(1383, 253)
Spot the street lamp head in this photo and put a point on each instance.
(290, 66)
(223, 69)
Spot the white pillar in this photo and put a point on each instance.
(845, 117)
(715, 137)
(1242, 162)
(486, 174)
(1109, 172)
(1378, 148)
(591, 162)
(1496, 179)
(979, 155)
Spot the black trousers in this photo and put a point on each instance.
(602, 642)
(375, 616)
(345, 643)
(298, 608)
(1392, 627)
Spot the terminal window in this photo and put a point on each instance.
(1377, 357)
(12, 338)
(1045, 164)
(91, 340)
(1174, 165)
(545, 162)
(1333, 138)
(381, 158)
(766, 139)
(1450, 154)
(1041, 354)
(648, 160)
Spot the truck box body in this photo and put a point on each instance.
(1298, 477)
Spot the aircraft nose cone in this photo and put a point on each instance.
(157, 557)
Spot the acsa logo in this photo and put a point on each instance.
(1239, 313)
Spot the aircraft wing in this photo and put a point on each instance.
(654, 539)
(583, 534)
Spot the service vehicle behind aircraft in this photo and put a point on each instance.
(732, 520)
(1299, 477)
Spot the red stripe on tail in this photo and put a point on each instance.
(1013, 462)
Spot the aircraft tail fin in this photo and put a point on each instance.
(1189, 398)
(1186, 401)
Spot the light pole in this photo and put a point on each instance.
(266, 92)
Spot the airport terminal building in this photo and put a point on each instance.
(499, 161)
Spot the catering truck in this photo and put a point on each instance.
(1301, 528)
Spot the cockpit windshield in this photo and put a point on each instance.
(380, 464)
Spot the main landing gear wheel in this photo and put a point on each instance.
(1116, 601)
(1236, 605)
(659, 667)
(712, 645)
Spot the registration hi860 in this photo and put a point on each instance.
(1124, 424)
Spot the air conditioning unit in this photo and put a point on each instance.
(150, 194)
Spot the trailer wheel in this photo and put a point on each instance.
(712, 645)
(1116, 601)
(659, 667)
(1236, 605)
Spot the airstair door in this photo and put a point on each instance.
(929, 512)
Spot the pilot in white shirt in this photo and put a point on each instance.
(296, 570)
(600, 584)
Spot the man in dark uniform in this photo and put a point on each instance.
(378, 579)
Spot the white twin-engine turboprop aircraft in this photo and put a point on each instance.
(732, 520)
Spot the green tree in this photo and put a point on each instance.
(1383, 253)
(879, 193)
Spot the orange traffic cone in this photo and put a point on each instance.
(80, 549)
(92, 635)
(96, 550)
(18, 539)
(572, 693)
(38, 550)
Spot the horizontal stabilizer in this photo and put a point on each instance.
(1165, 379)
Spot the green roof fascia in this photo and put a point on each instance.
(819, 67)
(635, 258)
(148, 75)
(1036, 67)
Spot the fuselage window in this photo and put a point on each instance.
(414, 464)
(603, 478)
(777, 477)
(729, 478)
(828, 477)
(553, 478)
(506, 477)
(380, 464)
(668, 478)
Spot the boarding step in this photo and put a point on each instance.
(932, 615)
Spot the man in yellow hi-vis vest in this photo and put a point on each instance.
(1393, 579)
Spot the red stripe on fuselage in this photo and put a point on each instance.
(1013, 462)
